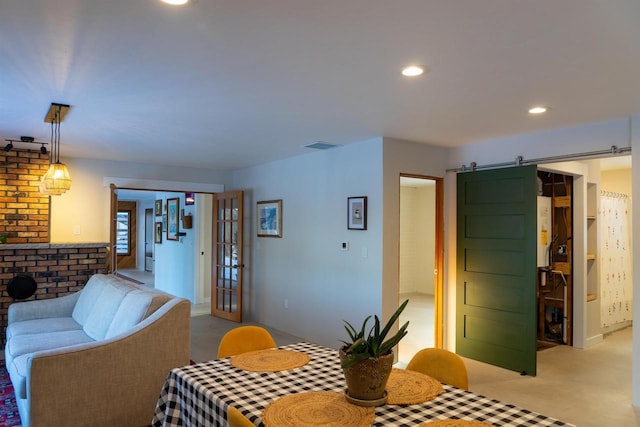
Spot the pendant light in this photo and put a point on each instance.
(57, 179)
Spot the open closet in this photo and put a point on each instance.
(555, 258)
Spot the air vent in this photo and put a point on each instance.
(319, 145)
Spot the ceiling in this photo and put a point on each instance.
(227, 84)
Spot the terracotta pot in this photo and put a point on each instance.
(367, 380)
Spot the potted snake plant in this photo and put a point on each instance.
(367, 359)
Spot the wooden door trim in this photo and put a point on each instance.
(113, 213)
(439, 281)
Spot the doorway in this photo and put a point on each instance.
(420, 263)
(194, 248)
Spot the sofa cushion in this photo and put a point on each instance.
(93, 292)
(36, 326)
(88, 297)
(135, 307)
(23, 344)
(102, 314)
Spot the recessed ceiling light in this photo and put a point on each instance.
(176, 2)
(413, 71)
(538, 110)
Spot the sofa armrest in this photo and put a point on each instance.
(43, 308)
(111, 382)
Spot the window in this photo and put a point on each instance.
(123, 233)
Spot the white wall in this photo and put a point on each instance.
(175, 259)
(616, 180)
(402, 157)
(307, 267)
(86, 205)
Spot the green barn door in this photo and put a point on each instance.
(496, 273)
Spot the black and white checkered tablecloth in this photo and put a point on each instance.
(198, 395)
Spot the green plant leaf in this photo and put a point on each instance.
(372, 344)
(393, 318)
(393, 341)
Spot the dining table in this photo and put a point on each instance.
(199, 395)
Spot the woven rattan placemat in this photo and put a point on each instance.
(455, 423)
(316, 408)
(270, 360)
(410, 387)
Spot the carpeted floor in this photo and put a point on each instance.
(8, 409)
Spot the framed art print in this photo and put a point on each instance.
(357, 213)
(157, 232)
(173, 207)
(158, 207)
(269, 214)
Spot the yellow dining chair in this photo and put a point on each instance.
(243, 339)
(236, 419)
(441, 364)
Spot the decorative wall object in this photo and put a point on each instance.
(158, 207)
(357, 213)
(189, 199)
(616, 287)
(269, 218)
(157, 232)
(173, 211)
(187, 220)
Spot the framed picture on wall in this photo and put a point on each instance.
(189, 199)
(158, 207)
(269, 218)
(157, 232)
(173, 208)
(357, 213)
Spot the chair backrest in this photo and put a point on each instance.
(236, 419)
(441, 364)
(243, 339)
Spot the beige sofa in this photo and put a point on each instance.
(98, 357)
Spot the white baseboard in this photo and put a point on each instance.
(591, 341)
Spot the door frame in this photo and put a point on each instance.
(438, 284)
(114, 184)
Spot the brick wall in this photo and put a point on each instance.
(59, 269)
(24, 212)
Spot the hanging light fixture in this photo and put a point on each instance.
(57, 179)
